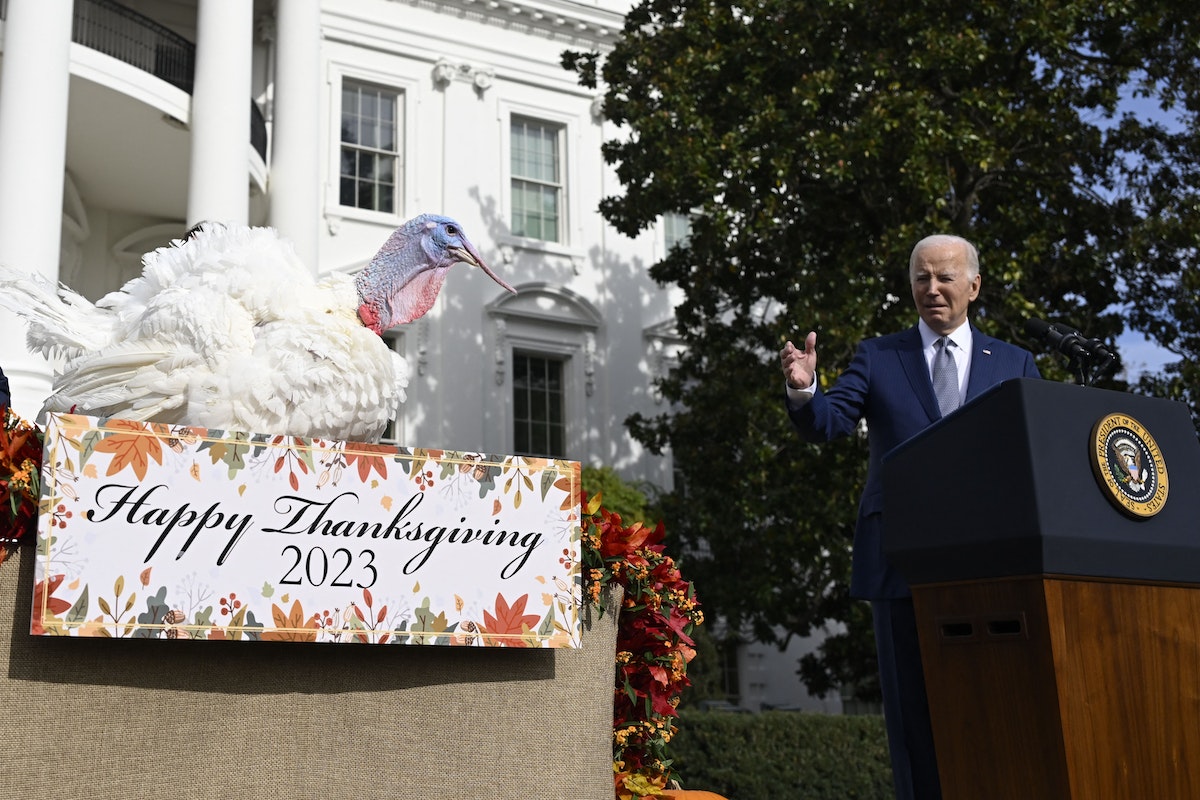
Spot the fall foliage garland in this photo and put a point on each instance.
(20, 468)
(658, 612)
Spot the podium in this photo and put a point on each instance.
(1057, 599)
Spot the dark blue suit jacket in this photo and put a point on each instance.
(888, 385)
(5, 396)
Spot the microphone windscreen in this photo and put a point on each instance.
(1037, 328)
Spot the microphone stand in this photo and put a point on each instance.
(1080, 364)
(1077, 367)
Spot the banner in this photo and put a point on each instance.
(155, 531)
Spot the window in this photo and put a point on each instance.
(677, 229)
(370, 156)
(393, 434)
(539, 416)
(537, 186)
(545, 341)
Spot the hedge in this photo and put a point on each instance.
(783, 755)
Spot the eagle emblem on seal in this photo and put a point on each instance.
(1128, 456)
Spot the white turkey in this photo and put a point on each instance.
(227, 329)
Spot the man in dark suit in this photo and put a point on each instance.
(900, 384)
(5, 393)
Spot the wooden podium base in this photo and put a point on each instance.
(1060, 687)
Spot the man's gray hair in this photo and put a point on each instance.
(946, 239)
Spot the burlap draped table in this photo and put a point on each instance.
(126, 720)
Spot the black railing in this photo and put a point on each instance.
(126, 35)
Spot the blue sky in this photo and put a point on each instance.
(1140, 355)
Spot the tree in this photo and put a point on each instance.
(813, 142)
(629, 500)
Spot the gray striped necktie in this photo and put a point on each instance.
(945, 376)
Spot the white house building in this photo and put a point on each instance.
(123, 124)
(333, 121)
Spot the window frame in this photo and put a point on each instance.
(564, 363)
(558, 186)
(547, 322)
(407, 100)
(667, 222)
(569, 215)
(399, 166)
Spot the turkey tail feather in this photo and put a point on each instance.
(61, 321)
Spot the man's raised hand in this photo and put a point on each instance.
(800, 366)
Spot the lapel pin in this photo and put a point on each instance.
(987, 352)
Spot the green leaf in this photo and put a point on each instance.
(546, 629)
(549, 476)
(236, 622)
(77, 613)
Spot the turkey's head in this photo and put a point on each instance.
(402, 281)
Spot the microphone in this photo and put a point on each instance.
(1070, 337)
(1076, 347)
(1062, 338)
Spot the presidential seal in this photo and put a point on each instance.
(1129, 466)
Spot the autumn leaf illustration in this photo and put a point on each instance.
(44, 602)
(369, 457)
(133, 449)
(570, 485)
(510, 621)
(291, 626)
(296, 453)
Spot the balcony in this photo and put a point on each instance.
(116, 31)
(128, 142)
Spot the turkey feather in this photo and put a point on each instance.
(227, 329)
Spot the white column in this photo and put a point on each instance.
(295, 182)
(34, 83)
(219, 178)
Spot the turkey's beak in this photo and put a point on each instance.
(469, 255)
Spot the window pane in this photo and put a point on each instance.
(537, 403)
(677, 229)
(386, 170)
(366, 195)
(520, 221)
(386, 199)
(520, 403)
(349, 114)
